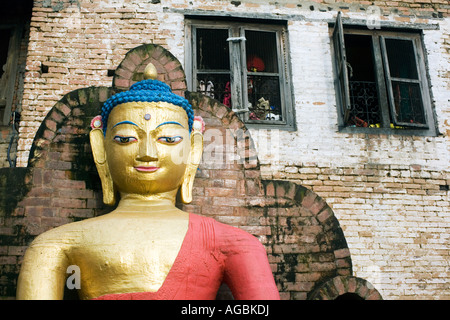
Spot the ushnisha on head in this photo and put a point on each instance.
(148, 90)
(147, 142)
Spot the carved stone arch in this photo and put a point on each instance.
(346, 288)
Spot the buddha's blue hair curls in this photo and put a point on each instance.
(149, 90)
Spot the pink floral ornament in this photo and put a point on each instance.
(97, 123)
(199, 124)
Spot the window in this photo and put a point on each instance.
(244, 66)
(381, 81)
(9, 52)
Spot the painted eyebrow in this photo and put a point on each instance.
(169, 122)
(125, 122)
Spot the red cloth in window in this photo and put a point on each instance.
(213, 253)
(255, 64)
(227, 95)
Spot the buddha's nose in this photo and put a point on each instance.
(147, 150)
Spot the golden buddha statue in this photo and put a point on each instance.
(147, 145)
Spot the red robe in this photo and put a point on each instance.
(213, 253)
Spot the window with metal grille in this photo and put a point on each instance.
(381, 81)
(244, 66)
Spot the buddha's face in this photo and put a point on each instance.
(147, 147)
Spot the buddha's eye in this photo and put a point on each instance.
(170, 140)
(124, 140)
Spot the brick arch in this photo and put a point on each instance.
(131, 69)
(70, 115)
(308, 242)
(346, 287)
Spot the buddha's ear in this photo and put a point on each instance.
(98, 151)
(194, 159)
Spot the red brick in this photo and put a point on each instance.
(7, 231)
(49, 135)
(78, 213)
(33, 212)
(373, 295)
(36, 201)
(342, 253)
(322, 266)
(44, 191)
(308, 199)
(221, 201)
(128, 64)
(220, 111)
(178, 85)
(270, 190)
(68, 203)
(135, 57)
(339, 285)
(343, 263)
(351, 285)
(5, 260)
(69, 184)
(65, 110)
(177, 74)
(58, 165)
(75, 194)
(171, 65)
(17, 250)
(56, 116)
(122, 83)
(257, 230)
(123, 73)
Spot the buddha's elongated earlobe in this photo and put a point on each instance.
(193, 162)
(98, 150)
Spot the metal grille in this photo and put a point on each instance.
(365, 110)
(408, 103)
(264, 97)
(216, 86)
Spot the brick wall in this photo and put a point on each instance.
(395, 219)
(390, 193)
(73, 44)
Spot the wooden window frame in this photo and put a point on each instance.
(238, 67)
(11, 70)
(383, 79)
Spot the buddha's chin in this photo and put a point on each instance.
(149, 187)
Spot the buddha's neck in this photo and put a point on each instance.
(150, 204)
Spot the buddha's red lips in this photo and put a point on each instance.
(146, 169)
